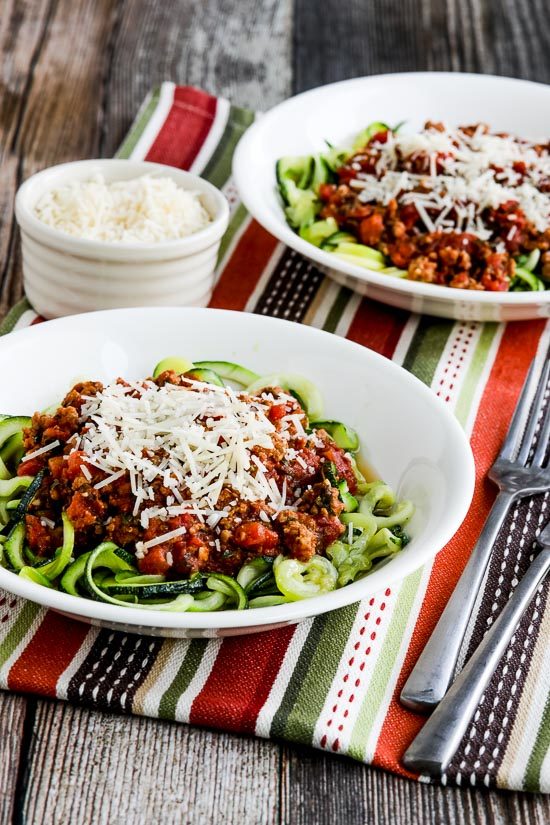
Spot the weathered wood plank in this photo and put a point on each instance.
(357, 38)
(113, 770)
(239, 50)
(12, 720)
(59, 117)
(329, 790)
(22, 29)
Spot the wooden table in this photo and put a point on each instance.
(73, 73)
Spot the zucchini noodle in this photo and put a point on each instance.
(370, 522)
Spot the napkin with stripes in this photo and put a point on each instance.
(332, 682)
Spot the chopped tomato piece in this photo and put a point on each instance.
(277, 412)
(344, 470)
(74, 462)
(30, 467)
(326, 190)
(57, 466)
(84, 511)
(155, 563)
(330, 529)
(40, 538)
(256, 534)
(370, 229)
(380, 137)
(409, 215)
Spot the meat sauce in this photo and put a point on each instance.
(449, 258)
(247, 530)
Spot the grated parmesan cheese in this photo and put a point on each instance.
(42, 450)
(145, 209)
(477, 173)
(196, 438)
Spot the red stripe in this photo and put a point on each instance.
(241, 680)
(377, 327)
(244, 268)
(185, 128)
(47, 655)
(493, 417)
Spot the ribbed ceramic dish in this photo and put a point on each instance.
(64, 275)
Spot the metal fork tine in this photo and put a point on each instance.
(534, 417)
(513, 435)
(544, 436)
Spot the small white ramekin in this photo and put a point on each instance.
(64, 274)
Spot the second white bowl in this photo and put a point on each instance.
(303, 124)
(64, 274)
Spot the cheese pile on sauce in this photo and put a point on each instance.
(467, 174)
(145, 209)
(197, 439)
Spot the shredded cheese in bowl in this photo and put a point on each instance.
(146, 209)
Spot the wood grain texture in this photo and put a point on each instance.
(22, 27)
(318, 788)
(114, 770)
(72, 75)
(55, 114)
(355, 38)
(12, 721)
(240, 50)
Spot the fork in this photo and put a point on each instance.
(517, 477)
(435, 745)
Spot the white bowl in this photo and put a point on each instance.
(337, 112)
(64, 274)
(406, 432)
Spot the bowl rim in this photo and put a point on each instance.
(277, 226)
(426, 549)
(116, 250)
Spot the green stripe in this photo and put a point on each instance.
(182, 680)
(304, 661)
(24, 620)
(475, 369)
(381, 678)
(314, 672)
(531, 780)
(426, 347)
(218, 168)
(139, 125)
(13, 316)
(337, 309)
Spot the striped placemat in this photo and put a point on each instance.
(331, 682)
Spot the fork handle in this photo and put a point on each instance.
(433, 672)
(442, 733)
